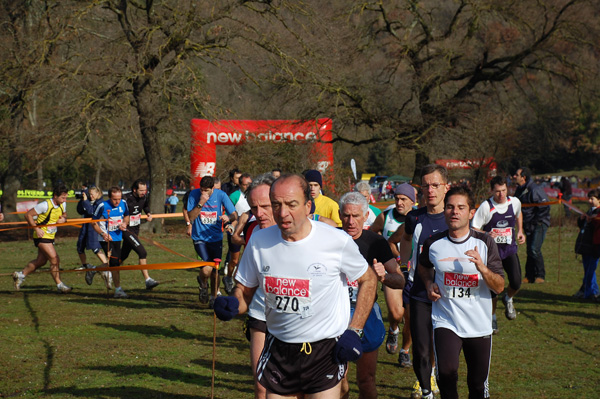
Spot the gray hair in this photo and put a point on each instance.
(265, 178)
(362, 186)
(354, 198)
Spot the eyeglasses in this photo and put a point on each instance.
(435, 186)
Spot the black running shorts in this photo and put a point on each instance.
(38, 241)
(286, 369)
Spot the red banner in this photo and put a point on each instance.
(468, 163)
(206, 135)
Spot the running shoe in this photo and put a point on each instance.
(416, 392)
(404, 359)
(391, 344)
(229, 284)
(63, 288)
(18, 280)
(203, 287)
(89, 275)
(211, 300)
(151, 283)
(579, 294)
(108, 281)
(509, 310)
(435, 390)
(119, 293)
(428, 396)
(494, 326)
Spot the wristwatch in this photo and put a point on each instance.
(187, 223)
(358, 331)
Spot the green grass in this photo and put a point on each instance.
(158, 344)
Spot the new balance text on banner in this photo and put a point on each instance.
(206, 135)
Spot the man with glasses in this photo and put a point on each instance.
(419, 225)
(536, 220)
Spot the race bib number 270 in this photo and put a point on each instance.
(288, 295)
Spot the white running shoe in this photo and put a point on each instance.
(63, 288)
(509, 310)
(119, 293)
(18, 280)
(108, 281)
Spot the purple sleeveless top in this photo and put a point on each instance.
(504, 225)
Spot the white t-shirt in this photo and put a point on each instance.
(466, 303)
(484, 215)
(306, 298)
(256, 309)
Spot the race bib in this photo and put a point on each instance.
(114, 223)
(461, 286)
(288, 295)
(207, 217)
(135, 220)
(51, 229)
(504, 235)
(352, 290)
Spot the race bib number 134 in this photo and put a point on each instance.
(461, 286)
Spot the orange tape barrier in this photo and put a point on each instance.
(154, 266)
(79, 221)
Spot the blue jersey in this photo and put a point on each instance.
(115, 217)
(421, 225)
(207, 226)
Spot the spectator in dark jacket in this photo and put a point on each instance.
(536, 220)
(589, 225)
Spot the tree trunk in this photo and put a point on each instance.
(148, 119)
(10, 185)
(98, 168)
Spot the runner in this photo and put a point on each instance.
(255, 325)
(324, 205)
(42, 217)
(354, 210)
(421, 224)
(238, 198)
(137, 201)
(460, 268)
(365, 189)
(500, 216)
(205, 211)
(88, 238)
(233, 183)
(111, 231)
(301, 265)
(389, 223)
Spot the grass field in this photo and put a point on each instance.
(158, 344)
